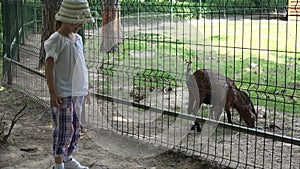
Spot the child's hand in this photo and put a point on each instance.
(87, 99)
(55, 100)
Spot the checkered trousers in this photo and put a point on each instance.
(66, 125)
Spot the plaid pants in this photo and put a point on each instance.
(66, 125)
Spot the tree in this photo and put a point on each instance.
(110, 25)
(49, 9)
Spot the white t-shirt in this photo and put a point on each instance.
(70, 72)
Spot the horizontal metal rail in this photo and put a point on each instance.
(23, 66)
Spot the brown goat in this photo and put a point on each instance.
(200, 86)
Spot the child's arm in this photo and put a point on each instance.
(54, 99)
(87, 98)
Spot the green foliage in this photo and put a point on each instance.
(157, 79)
(195, 8)
(177, 9)
(137, 45)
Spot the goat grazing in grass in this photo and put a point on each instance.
(206, 84)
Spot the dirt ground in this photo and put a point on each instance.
(29, 145)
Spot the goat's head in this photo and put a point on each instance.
(249, 114)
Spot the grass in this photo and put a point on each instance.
(154, 79)
(260, 55)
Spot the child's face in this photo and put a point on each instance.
(73, 27)
(76, 27)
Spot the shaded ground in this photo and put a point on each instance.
(29, 145)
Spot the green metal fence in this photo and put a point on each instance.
(139, 91)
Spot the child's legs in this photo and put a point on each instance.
(77, 109)
(63, 129)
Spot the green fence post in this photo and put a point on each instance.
(23, 15)
(17, 34)
(35, 16)
(81, 33)
(6, 41)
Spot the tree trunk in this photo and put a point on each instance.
(110, 26)
(49, 9)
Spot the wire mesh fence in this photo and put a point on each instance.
(139, 85)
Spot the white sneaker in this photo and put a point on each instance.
(73, 164)
(58, 166)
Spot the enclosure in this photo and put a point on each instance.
(139, 93)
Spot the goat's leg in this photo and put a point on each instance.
(192, 109)
(227, 107)
(197, 104)
(196, 124)
(217, 109)
(191, 104)
(228, 115)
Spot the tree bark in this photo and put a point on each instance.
(110, 26)
(49, 9)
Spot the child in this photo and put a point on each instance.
(67, 80)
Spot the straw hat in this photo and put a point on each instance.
(74, 11)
